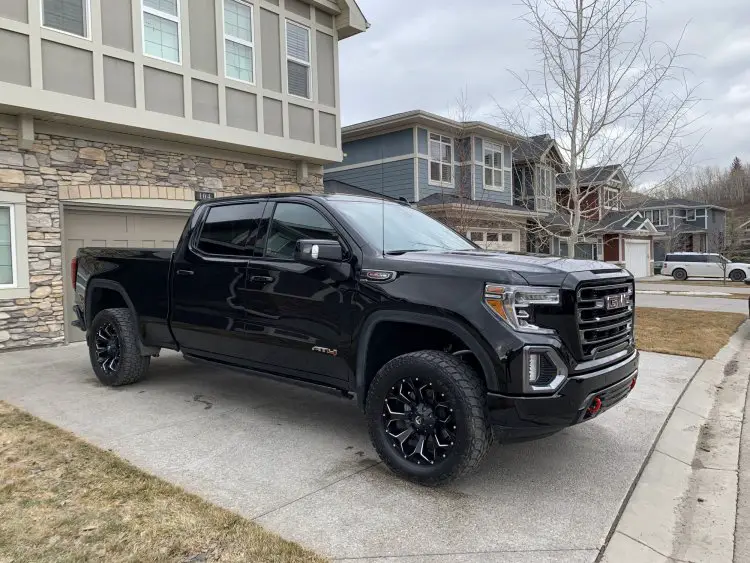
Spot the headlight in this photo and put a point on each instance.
(514, 303)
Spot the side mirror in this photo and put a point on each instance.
(318, 252)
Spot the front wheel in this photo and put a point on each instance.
(113, 348)
(428, 418)
(737, 275)
(679, 274)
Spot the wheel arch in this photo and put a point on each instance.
(451, 326)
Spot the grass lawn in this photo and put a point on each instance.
(700, 334)
(62, 499)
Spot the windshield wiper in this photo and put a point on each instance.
(400, 252)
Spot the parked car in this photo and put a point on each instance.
(684, 265)
(438, 340)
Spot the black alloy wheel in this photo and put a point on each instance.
(108, 349)
(418, 417)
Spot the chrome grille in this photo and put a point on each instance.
(603, 331)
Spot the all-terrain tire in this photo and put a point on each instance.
(737, 275)
(473, 436)
(132, 366)
(680, 274)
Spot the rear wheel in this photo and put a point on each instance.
(679, 274)
(428, 418)
(113, 348)
(737, 275)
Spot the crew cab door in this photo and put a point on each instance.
(298, 311)
(209, 277)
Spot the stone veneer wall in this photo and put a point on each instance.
(70, 168)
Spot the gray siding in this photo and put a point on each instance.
(301, 123)
(14, 58)
(394, 179)
(328, 130)
(716, 226)
(119, 82)
(389, 145)
(478, 149)
(324, 19)
(203, 36)
(242, 110)
(67, 70)
(164, 92)
(117, 24)
(422, 145)
(270, 50)
(15, 10)
(273, 117)
(297, 7)
(205, 101)
(326, 70)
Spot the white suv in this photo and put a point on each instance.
(684, 265)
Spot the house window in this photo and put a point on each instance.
(161, 29)
(238, 41)
(441, 160)
(610, 198)
(494, 171)
(68, 16)
(702, 214)
(656, 216)
(545, 200)
(298, 59)
(690, 215)
(507, 237)
(7, 247)
(475, 236)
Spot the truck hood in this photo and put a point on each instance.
(536, 270)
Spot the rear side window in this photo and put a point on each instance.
(292, 222)
(232, 230)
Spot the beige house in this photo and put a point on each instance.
(116, 116)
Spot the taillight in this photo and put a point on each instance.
(74, 272)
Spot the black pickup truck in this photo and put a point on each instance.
(438, 340)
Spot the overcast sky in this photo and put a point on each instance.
(419, 54)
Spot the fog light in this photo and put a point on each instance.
(533, 368)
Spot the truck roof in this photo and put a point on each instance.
(316, 197)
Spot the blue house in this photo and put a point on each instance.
(458, 172)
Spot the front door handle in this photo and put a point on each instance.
(261, 279)
(185, 272)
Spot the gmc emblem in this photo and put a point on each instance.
(619, 301)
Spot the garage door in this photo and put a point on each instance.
(636, 258)
(114, 230)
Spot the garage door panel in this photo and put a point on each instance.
(119, 229)
(637, 259)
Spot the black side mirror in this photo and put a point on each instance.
(318, 252)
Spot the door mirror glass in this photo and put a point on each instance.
(317, 252)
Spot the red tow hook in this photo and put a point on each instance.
(632, 383)
(595, 407)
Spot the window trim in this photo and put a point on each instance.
(662, 215)
(451, 142)
(19, 246)
(308, 64)
(494, 148)
(551, 197)
(239, 40)
(86, 22)
(13, 250)
(607, 190)
(687, 215)
(254, 250)
(164, 15)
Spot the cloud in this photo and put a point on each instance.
(420, 54)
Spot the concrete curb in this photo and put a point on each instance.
(683, 506)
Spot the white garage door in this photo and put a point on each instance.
(636, 258)
(508, 241)
(114, 229)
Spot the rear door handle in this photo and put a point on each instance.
(185, 272)
(261, 279)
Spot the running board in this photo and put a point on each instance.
(321, 387)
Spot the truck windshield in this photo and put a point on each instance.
(406, 229)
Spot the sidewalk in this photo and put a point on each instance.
(742, 528)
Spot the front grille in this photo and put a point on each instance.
(603, 331)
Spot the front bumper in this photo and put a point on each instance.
(582, 397)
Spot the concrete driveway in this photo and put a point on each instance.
(300, 462)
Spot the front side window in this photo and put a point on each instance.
(161, 29)
(610, 198)
(441, 160)
(7, 250)
(298, 59)
(494, 176)
(292, 222)
(232, 230)
(238, 40)
(70, 16)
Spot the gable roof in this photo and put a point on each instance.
(348, 16)
(426, 119)
(533, 148)
(613, 222)
(653, 203)
(594, 176)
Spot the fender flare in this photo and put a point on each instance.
(117, 287)
(443, 323)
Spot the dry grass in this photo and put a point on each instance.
(62, 499)
(700, 334)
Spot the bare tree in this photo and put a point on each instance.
(607, 94)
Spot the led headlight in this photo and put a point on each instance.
(513, 304)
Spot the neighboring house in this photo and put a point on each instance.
(117, 115)
(458, 172)
(685, 225)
